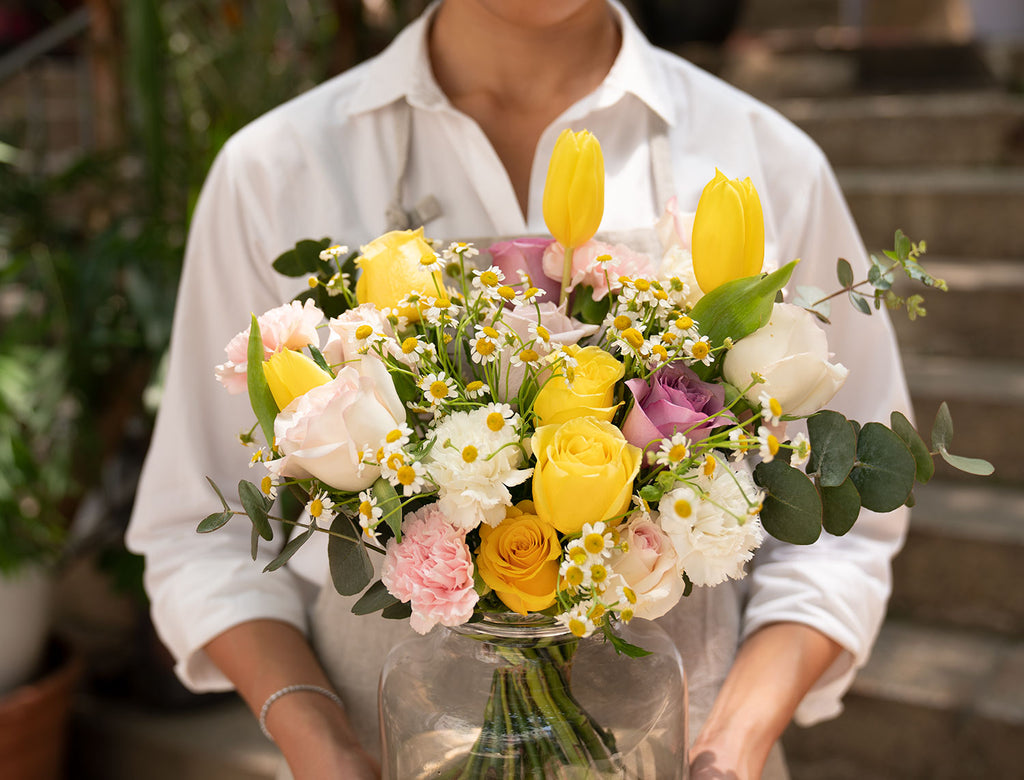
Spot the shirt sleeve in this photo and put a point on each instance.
(200, 586)
(839, 585)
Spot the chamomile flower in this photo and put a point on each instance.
(369, 514)
(333, 252)
(258, 457)
(321, 508)
(597, 539)
(438, 388)
(268, 486)
(488, 280)
(500, 415)
(659, 351)
(531, 293)
(683, 326)
(771, 409)
(483, 347)
(477, 389)
(510, 295)
(742, 441)
(673, 451)
(699, 350)
(415, 347)
(458, 249)
(539, 334)
(411, 476)
(573, 575)
(527, 356)
(396, 438)
(768, 444)
(577, 619)
(432, 263)
(801, 450)
(440, 311)
(621, 320)
(632, 340)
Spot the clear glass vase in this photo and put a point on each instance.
(513, 697)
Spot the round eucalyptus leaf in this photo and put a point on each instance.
(902, 427)
(792, 509)
(840, 507)
(884, 474)
(833, 447)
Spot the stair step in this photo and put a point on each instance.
(974, 318)
(931, 704)
(949, 129)
(969, 213)
(986, 400)
(969, 538)
(218, 741)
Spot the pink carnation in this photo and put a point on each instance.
(291, 326)
(587, 271)
(432, 569)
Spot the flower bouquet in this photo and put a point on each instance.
(566, 431)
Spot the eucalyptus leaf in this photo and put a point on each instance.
(399, 611)
(256, 505)
(376, 598)
(833, 447)
(902, 427)
(792, 507)
(350, 566)
(621, 646)
(390, 503)
(254, 542)
(884, 474)
(859, 303)
(840, 507)
(303, 259)
(942, 428)
(213, 522)
(260, 397)
(977, 466)
(844, 272)
(903, 245)
(220, 495)
(290, 549)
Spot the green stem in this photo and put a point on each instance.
(566, 276)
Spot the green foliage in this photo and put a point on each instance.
(884, 474)
(376, 598)
(260, 397)
(792, 507)
(350, 566)
(833, 447)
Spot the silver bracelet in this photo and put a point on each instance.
(293, 689)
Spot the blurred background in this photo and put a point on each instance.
(110, 114)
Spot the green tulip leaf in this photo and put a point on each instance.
(833, 447)
(256, 505)
(884, 474)
(303, 259)
(840, 507)
(376, 598)
(389, 502)
(290, 549)
(260, 397)
(942, 428)
(976, 466)
(902, 427)
(350, 566)
(792, 507)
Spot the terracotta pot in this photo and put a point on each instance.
(33, 721)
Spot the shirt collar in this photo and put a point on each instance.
(403, 70)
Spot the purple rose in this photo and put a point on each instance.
(525, 254)
(674, 400)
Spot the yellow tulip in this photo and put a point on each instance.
(574, 190)
(291, 374)
(728, 232)
(393, 266)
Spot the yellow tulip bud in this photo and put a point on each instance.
(574, 190)
(728, 232)
(291, 374)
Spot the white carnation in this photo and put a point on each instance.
(474, 466)
(714, 533)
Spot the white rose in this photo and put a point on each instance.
(322, 432)
(650, 567)
(713, 532)
(791, 353)
(343, 346)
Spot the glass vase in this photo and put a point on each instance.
(513, 697)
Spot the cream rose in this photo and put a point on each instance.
(791, 353)
(649, 567)
(584, 473)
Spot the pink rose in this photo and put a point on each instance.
(672, 401)
(322, 432)
(675, 228)
(291, 326)
(587, 271)
(432, 569)
(525, 254)
(650, 567)
(342, 345)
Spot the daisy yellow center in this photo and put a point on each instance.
(438, 389)
(630, 595)
(380, 454)
(677, 453)
(773, 444)
(489, 279)
(312, 282)
(700, 350)
(395, 460)
(316, 507)
(543, 333)
(409, 345)
(633, 337)
(578, 627)
(363, 332)
(598, 572)
(393, 436)
(578, 555)
(495, 421)
(428, 259)
(406, 475)
(709, 466)
(642, 285)
(531, 292)
(506, 292)
(574, 576)
(682, 507)
(622, 322)
(484, 346)
(597, 612)
(529, 356)
(626, 615)
(266, 485)
(473, 386)
(668, 338)
(593, 543)
(489, 331)
(366, 509)
(775, 406)
(660, 295)
(469, 453)
(660, 351)
(684, 323)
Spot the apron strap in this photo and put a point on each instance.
(428, 207)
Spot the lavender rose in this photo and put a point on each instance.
(674, 400)
(525, 254)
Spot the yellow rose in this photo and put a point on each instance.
(573, 201)
(584, 473)
(518, 559)
(728, 232)
(393, 266)
(291, 374)
(591, 393)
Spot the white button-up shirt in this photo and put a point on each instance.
(326, 163)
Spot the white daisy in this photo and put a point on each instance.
(321, 508)
(437, 388)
